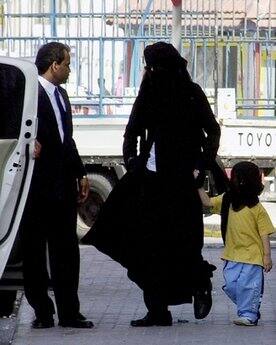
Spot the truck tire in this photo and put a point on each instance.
(100, 187)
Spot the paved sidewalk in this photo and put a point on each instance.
(111, 301)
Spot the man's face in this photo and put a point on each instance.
(62, 70)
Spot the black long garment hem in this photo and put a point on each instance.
(147, 226)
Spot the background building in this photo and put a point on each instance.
(230, 44)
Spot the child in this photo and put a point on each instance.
(247, 246)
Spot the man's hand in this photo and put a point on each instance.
(37, 149)
(83, 189)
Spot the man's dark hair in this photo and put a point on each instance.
(48, 53)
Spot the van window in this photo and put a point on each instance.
(12, 89)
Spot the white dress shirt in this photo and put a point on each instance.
(151, 163)
(50, 89)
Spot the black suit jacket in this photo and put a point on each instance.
(59, 164)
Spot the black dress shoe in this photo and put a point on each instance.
(149, 320)
(76, 323)
(80, 316)
(202, 302)
(43, 323)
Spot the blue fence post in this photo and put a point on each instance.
(53, 19)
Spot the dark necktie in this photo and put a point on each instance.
(63, 113)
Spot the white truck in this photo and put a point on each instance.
(254, 140)
(99, 142)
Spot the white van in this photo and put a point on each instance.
(18, 123)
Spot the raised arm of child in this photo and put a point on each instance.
(267, 253)
(206, 201)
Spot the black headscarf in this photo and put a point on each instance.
(163, 55)
(164, 83)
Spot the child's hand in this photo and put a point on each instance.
(267, 263)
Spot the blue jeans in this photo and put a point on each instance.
(244, 285)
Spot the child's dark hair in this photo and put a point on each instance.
(245, 185)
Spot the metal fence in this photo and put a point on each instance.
(229, 44)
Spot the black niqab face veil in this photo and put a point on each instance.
(163, 84)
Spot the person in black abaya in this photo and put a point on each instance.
(152, 221)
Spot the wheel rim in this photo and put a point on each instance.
(89, 210)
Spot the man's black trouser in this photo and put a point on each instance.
(52, 226)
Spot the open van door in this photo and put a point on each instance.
(18, 110)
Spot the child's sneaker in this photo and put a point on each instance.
(244, 321)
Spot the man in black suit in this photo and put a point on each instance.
(59, 181)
